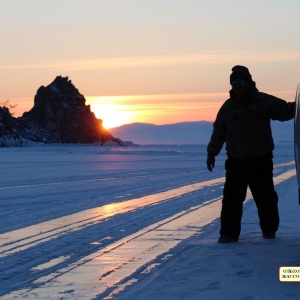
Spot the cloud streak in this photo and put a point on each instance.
(213, 57)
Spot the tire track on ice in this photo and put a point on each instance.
(108, 271)
(83, 180)
(21, 239)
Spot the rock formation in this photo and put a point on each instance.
(8, 134)
(59, 115)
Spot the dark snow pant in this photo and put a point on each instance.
(258, 175)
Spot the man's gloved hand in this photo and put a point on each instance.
(210, 162)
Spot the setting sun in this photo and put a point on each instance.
(155, 109)
(110, 111)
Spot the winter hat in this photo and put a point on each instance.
(240, 72)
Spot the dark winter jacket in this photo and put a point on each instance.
(244, 124)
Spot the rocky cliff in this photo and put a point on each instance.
(59, 115)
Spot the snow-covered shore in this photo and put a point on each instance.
(84, 222)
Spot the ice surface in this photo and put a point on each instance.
(85, 222)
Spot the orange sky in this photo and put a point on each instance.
(148, 61)
(157, 109)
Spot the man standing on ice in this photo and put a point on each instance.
(243, 123)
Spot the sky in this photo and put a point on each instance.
(152, 61)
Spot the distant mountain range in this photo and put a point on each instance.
(186, 132)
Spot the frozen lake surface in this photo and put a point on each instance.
(85, 222)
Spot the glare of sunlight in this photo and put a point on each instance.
(110, 111)
(156, 109)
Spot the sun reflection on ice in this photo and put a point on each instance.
(111, 209)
